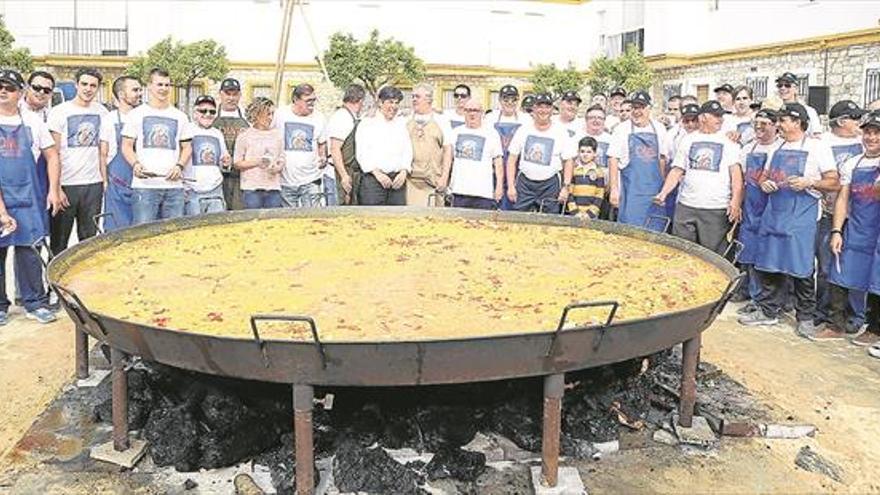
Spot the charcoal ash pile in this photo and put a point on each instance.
(195, 421)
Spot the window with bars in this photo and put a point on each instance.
(803, 86)
(759, 87)
(264, 90)
(448, 99)
(494, 100)
(872, 85)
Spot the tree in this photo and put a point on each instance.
(628, 70)
(550, 79)
(185, 62)
(372, 63)
(17, 58)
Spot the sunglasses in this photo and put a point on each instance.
(9, 88)
(783, 85)
(206, 111)
(41, 89)
(459, 95)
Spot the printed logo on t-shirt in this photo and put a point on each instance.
(570, 133)
(206, 150)
(469, 147)
(538, 150)
(863, 186)
(602, 154)
(160, 132)
(12, 139)
(755, 167)
(705, 156)
(298, 136)
(844, 152)
(82, 131)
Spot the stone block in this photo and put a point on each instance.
(569, 482)
(127, 459)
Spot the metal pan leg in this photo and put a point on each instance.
(303, 401)
(81, 351)
(119, 400)
(554, 388)
(690, 355)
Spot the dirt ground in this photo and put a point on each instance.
(834, 386)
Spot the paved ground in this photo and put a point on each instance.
(835, 386)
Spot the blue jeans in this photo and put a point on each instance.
(197, 203)
(304, 196)
(28, 279)
(330, 191)
(261, 198)
(149, 205)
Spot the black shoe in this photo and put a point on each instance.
(738, 297)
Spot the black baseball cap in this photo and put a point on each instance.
(788, 77)
(712, 107)
(846, 108)
(768, 114)
(755, 105)
(230, 84)
(795, 111)
(12, 77)
(543, 99)
(872, 119)
(508, 90)
(528, 102)
(640, 98)
(618, 91)
(724, 87)
(571, 96)
(690, 109)
(205, 99)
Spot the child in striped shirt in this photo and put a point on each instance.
(588, 186)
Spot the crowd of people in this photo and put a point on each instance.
(800, 207)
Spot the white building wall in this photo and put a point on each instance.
(504, 34)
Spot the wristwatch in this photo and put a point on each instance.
(180, 166)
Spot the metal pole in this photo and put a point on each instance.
(282, 49)
(302, 9)
(81, 349)
(690, 355)
(303, 401)
(554, 388)
(120, 400)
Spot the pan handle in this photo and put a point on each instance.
(78, 309)
(437, 199)
(666, 221)
(291, 318)
(725, 296)
(96, 219)
(580, 305)
(39, 243)
(737, 248)
(551, 200)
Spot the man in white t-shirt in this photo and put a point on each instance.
(637, 159)
(456, 115)
(594, 127)
(76, 127)
(38, 94)
(203, 178)
(797, 174)
(710, 197)
(543, 150)
(305, 149)
(25, 138)
(567, 118)
(475, 163)
(787, 88)
(506, 120)
(615, 100)
(340, 135)
(160, 134)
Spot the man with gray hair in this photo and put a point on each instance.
(340, 132)
(430, 134)
(304, 149)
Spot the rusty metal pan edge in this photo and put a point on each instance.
(59, 264)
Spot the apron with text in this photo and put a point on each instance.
(505, 130)
(117, 198)
(641, 181)
(753, 206)
(19, 183)
(860, 233)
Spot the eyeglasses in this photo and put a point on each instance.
(206, 111)
(9, 88)
(41, 89)
(311, 100)
(459, 95)
(595, 117)
(783, 85)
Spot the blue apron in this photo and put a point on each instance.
(641, 181)
(746, 133)
(860, 233)
(787, 234)
(117, 198)
(20, 185)
(505, 130)
(753, 206)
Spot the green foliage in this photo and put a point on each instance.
(550, 79)
(185, 62)
(372, 63)
(628, 70)
(17, 58)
